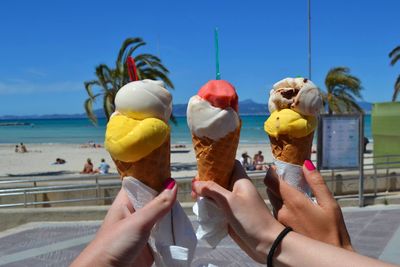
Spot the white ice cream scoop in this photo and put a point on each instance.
(144, 99)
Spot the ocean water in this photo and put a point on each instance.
(79, 131)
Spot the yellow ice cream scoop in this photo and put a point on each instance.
(289, 122)
(130, 140)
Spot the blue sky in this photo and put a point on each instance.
(49, 48)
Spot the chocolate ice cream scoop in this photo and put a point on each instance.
(298, 94)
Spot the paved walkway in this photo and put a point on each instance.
(375, 232)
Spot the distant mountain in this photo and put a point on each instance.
(99, 113)
(246, 107)
(249, 107)
(366, 106)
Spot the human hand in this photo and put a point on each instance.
(322, 221)
(122, 238)
(251, 224)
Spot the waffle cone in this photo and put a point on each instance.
(151, 170)
(215, 159)
(292, 150)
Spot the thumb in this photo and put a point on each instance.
(212, 190)
(158, 207)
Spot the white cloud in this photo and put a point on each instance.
(36, 72)
(28, 87)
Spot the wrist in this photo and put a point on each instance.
(92, 255)
(268, 237)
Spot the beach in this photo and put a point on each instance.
(70, 139)
(40, 158)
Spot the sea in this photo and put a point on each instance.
(80, 131)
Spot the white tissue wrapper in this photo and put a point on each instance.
(213, 226)
(293, 175)
(172, 239)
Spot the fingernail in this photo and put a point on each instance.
(309, 165)
(169, 183)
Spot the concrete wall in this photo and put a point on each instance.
(96, 210)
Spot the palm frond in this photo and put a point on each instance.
(343, 89)
(395, 59)
(155, 64)
(173, 119)
(88, 87)
(394, 55)
(108, 105)
(110, 80)
(335, 105)
(147, 56)
(88, 105)
(104, 75)
(125, 45)
(350, 104)
(130, 52)
(154, 74)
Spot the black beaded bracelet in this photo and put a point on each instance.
(276, 244)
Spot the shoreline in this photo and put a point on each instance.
(40, 157)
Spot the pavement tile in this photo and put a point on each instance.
(370, 231)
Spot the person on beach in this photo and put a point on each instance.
(312, 235)
(23, 148)
(245, 160)
(59, 161)
(88, 167)
(103, 168)
(258, 161)
(16, 150)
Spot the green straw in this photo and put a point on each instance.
(218, 74)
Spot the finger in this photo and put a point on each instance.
(271, 180)
(317, 184)
(119, 209)
(291, 196)
(157, 208)
(193, 193)
(275, 202)
(238, 172)
(281, 189)
(211, 190)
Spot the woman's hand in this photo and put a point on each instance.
(122, 238)
(251, 224)
(322, 221)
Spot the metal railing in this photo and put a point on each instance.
(26, 192)
(388, 168)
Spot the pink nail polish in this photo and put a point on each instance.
(169, 183)
(309, 165)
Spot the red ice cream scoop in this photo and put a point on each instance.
(220, 94)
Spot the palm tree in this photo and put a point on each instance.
(110, 80)
(342, 90)
(394, 55)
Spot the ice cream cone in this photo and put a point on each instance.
(292, 150)
(215, 159)
(152, 170)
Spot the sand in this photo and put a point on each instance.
(40, 157)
